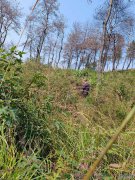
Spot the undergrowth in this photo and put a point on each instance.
(49, 131)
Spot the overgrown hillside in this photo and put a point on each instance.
(49, 131)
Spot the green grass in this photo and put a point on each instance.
(49, 131)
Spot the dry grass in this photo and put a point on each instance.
(78, 128)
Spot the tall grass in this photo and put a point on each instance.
(49, 131)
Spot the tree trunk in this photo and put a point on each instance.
(54, 48)
(61, 48)
(104, 36)
(130, 60)
(114, 54)
(42, 39)
(124, 63)
(77, 59)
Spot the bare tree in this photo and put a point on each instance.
(59, 49)
(131, 53)
(59, 27)
(82, 46)
(115, 50)
(47, 11)
(9, 19)
(106, 16)
(45, 32)
(116, 19)
(41, 24)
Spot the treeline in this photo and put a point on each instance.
(108, 44)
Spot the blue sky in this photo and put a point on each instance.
(73, 10)
(78, 10)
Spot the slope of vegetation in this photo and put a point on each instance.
(49, 131)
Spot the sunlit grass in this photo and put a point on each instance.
(58, 134)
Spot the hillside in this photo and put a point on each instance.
(67, 90)
(49, 131)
